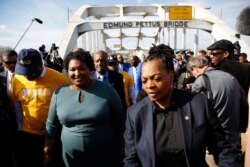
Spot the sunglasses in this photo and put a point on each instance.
(112, 63)
(216, 53)
(10, 62)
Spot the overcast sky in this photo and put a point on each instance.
(16, 16)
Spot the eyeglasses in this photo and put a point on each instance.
(10, 62)
(216, 53)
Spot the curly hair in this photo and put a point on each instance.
(82, 56)
(163, 52)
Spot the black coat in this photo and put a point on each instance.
(116, 80)
(3, 77)
(241, 71)
(8, 122)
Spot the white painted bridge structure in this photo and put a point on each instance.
(125, 28)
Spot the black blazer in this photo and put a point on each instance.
(3, 77)
(197, 121)
(8, 122)
(116, 80)
(241, 71)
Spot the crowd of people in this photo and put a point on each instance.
(163, 108)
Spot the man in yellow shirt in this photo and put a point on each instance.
(32, 87)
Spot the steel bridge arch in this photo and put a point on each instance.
(92, 24)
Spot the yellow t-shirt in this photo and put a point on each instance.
(34, 97)
(128, 83)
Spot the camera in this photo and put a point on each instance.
(53, 47)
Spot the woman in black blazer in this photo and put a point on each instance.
(172, 127)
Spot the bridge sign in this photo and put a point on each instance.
(145, 24)
(180, 12)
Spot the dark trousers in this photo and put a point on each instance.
(6, 150)
(29, 150)
(57, 160)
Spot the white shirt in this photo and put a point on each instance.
(10, 75)
(103, 77)
(134, 74)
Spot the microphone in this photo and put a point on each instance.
(243, 21)
(38, 20)
(35, 19)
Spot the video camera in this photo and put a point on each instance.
(42, 48)
(53, 47)
(237, 50)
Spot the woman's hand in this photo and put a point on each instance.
(47, 162)
(49, 143)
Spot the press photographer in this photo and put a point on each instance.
(53, 60)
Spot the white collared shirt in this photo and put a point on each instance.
(103, 77)
(43, 72)
(10, 75)
(135, 74)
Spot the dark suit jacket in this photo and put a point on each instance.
(196, 120)
(116, 80)
(3, 77)
(241, 71)
(7, 107)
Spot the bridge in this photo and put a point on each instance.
(125, 28)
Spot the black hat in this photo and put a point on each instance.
(190, 52)
(223, 44)
(27, 61)
(112, 58)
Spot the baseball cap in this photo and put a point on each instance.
(223, 45)
(27, 61)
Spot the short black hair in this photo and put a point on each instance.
(243, 54)
(163, 52)
(9, 53)
(82, 56)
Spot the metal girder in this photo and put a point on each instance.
(127, 27)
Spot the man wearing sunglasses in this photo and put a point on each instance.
(128, 82)
(9, 58)
(8, 124)
(222, 57)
